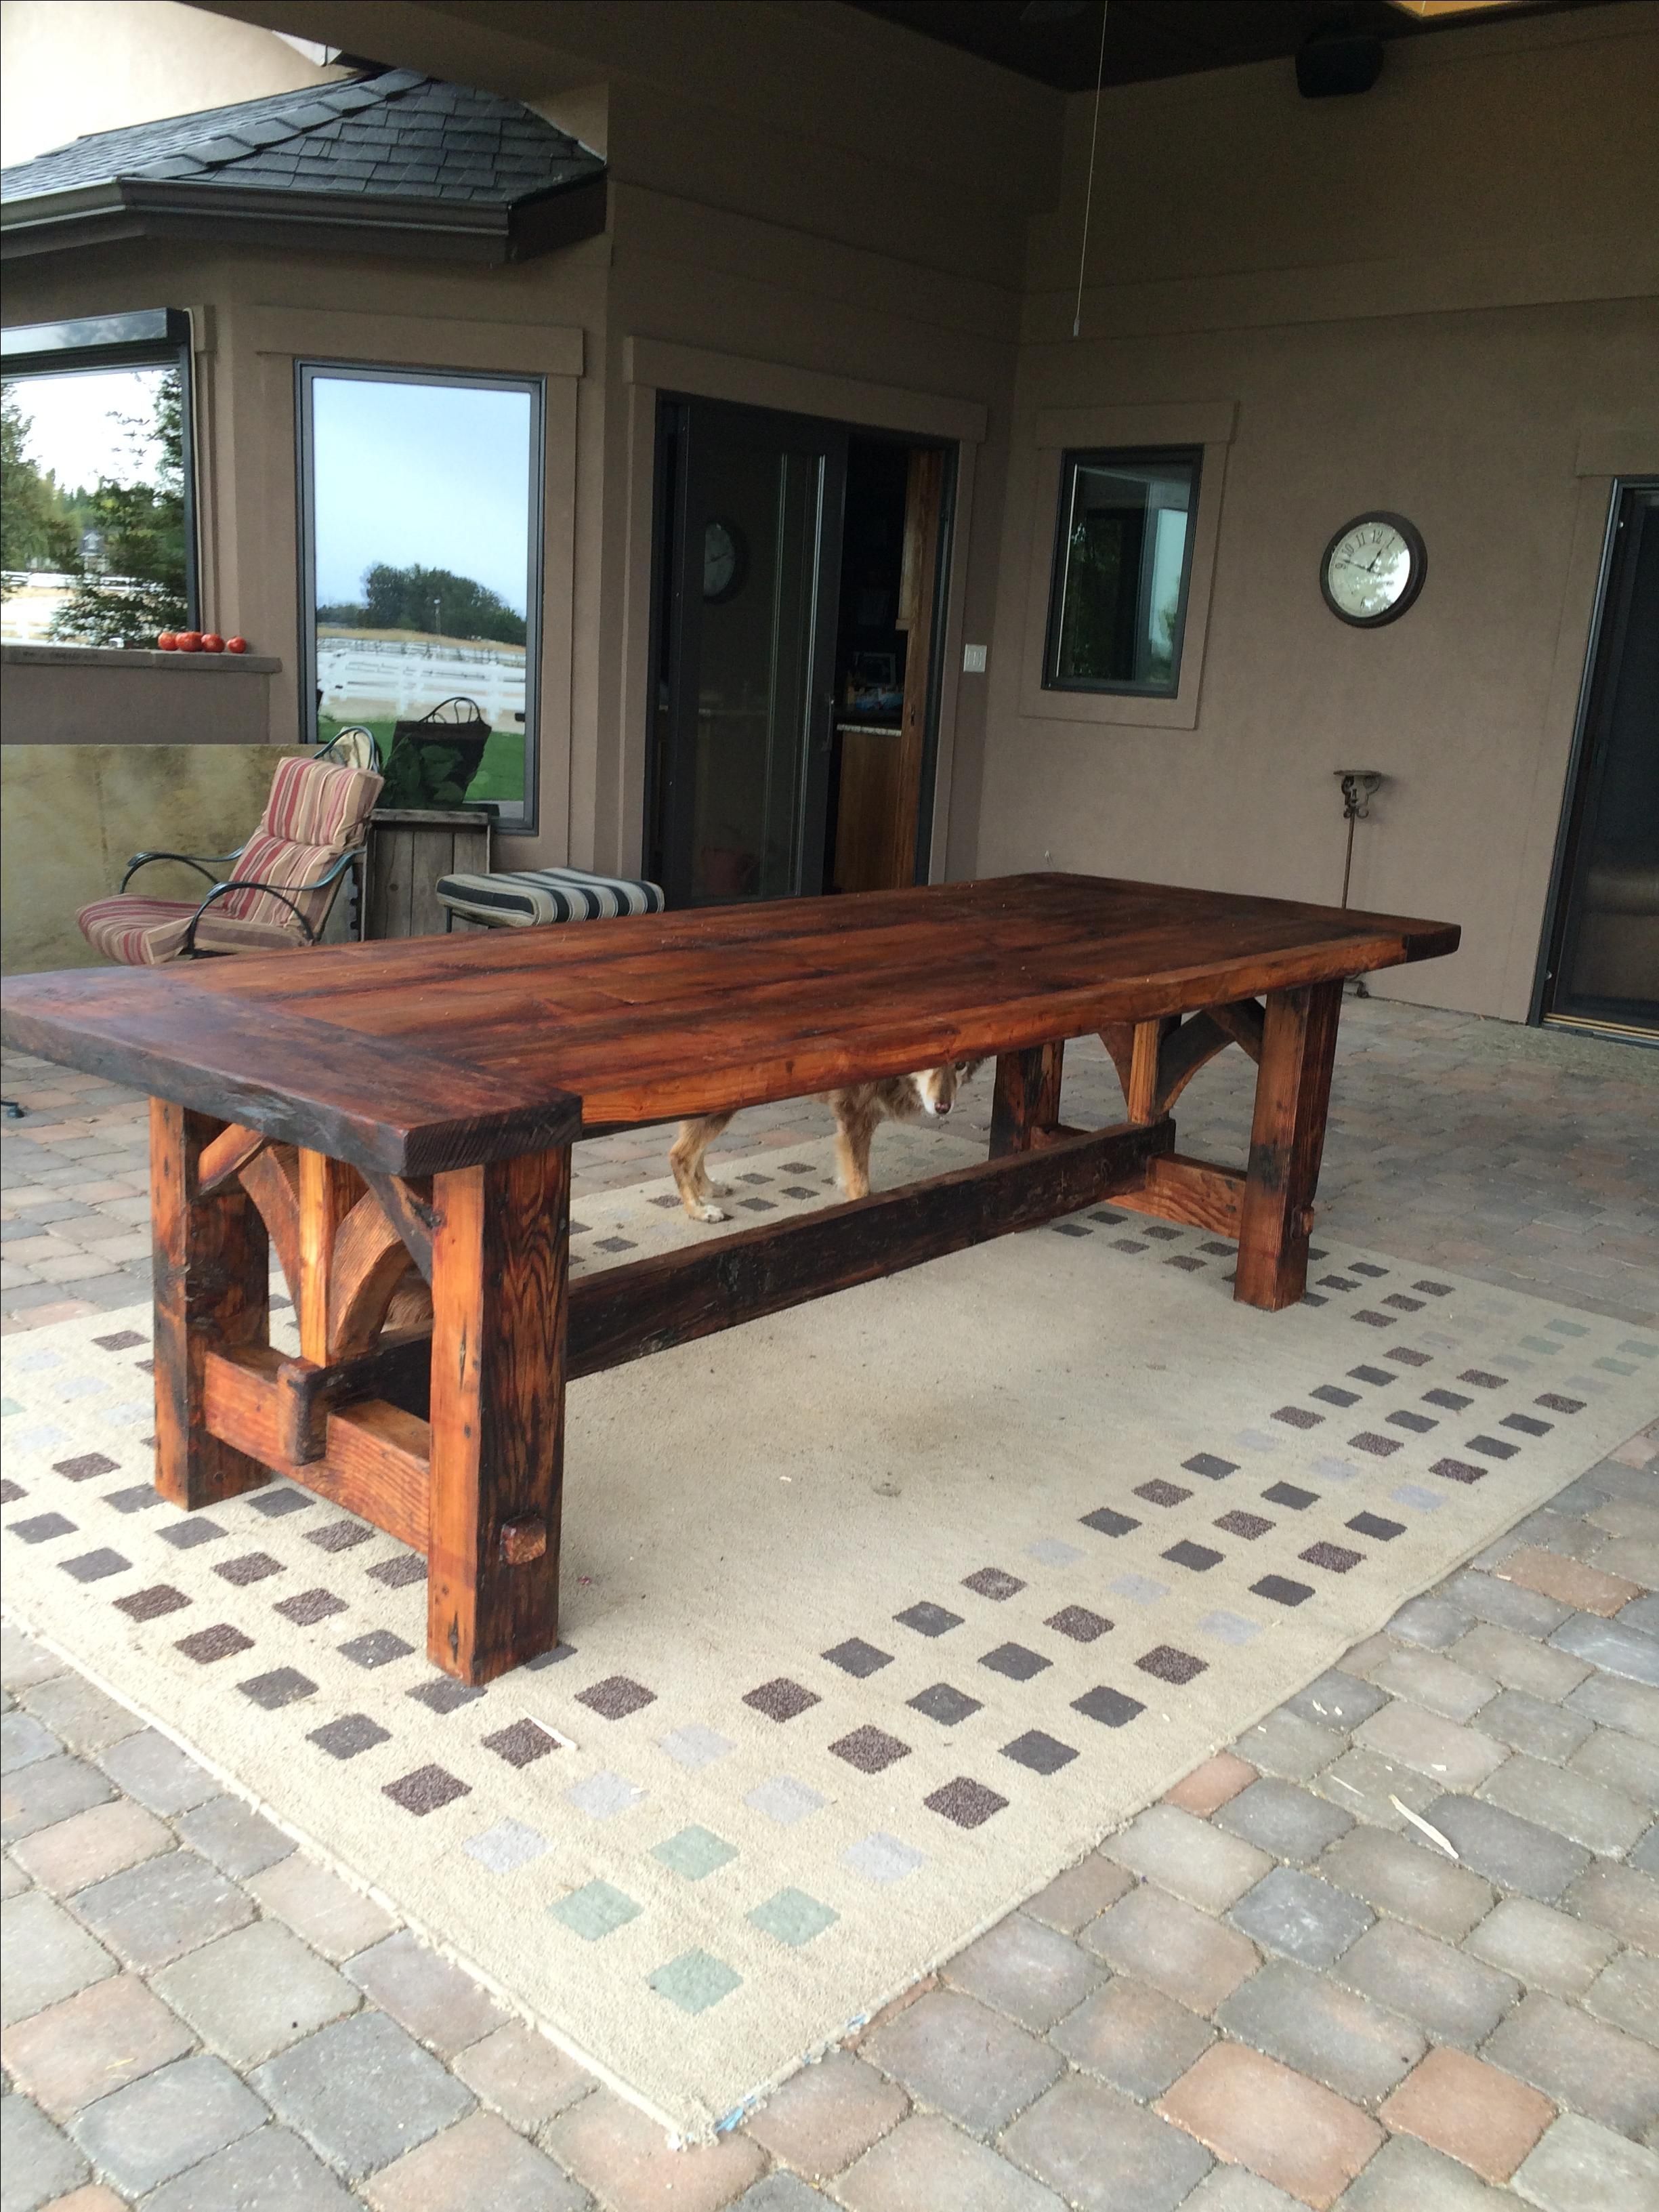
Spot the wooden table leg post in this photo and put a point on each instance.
(1287, 1136)
(212, 1293)
(328, 1189)
(499, 1295)
(1027, 1097)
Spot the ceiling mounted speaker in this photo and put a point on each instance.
(1332, 63)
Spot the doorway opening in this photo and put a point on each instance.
(800, 581)
(1600, 969)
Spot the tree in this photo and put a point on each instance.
(37, 518)
(437, 601)
(131, 565)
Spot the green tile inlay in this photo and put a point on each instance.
(695, 1981)
(794, 1917)
(595, 1910)
(9, 1405)
(695, 1852)
(1567, 1327)
(1616, 1366)
(1539, 1344)
(1642, 1350)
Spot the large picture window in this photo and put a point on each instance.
(1122, 564)
(421, 535)
(95, 492)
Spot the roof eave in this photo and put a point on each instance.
(253, 215)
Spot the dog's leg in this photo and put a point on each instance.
(685, 1157)
(856, 1115)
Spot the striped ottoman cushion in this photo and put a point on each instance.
(533, 895)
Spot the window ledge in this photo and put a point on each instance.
(111, 656)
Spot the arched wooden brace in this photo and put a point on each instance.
(1157, 1060)
(372, 1268)
(271, 1180)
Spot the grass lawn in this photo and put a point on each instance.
(501, 772)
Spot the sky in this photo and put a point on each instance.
(432, 474)
(75, 431)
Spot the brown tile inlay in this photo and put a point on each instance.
(425, 1790)
(615, 1696)
(966, 1802)
(218, 1642)
(870, 1749)
(781, 1699)
(150, 1604)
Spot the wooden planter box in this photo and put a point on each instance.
(408, 851)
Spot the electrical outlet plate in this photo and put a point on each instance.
(973, 660)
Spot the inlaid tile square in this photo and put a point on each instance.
(339, 1535)
(1158, 1492)
(617, 1696)
(695, 1852)
(427, 1789)
(944, 1703)
(782, 1798)
(309, 1607)
(1198, 1557)
(1290, 1494)
(1043, 1755)
(379, 1648)
(283, 1685)
(1078, 1622)
(1248, 1525)
(443, 1694)
(857, 1658)
(506, 1846)
(192, 1530)
(928, 1618)
(398, 1573)
(695, 1981)
(219, 1642)
(1210, 1465)
(695, 1747)
(1105, 1522)
(95, 1566)
(781, 1699)
(880, 1858)
(1109, 1707)
(1373, 1524)
(1280, 1590)
(603, 1795)
(792, 1917)
(964, 1802)
(84, 1467)
(596, 1909)
(1171, 1664)
(1014, 1661)
(1336, 1559)
(870, 1749)
(351, 1733)
(1449, 1401)
(521, 1742)
(276, 1502)
(150, 1604)
(992, 1582)
(252, 1567)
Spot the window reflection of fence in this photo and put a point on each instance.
(373, 677)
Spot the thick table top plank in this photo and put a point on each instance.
(426, 1051)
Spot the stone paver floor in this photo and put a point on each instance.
(1312, 1976)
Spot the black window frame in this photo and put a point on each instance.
(1071, 460)
(306, 372)
(145, 337)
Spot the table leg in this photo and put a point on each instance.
(1027, 1097)
(212, 1293)
(499, 1296)
(1287, 1136)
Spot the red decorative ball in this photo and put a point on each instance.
(212, 642)
(236, 645)
(167, 642)
(188, 641)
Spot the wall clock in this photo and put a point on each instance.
(725, 561)
(1373, 570)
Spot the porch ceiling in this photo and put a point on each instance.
(1060, 45)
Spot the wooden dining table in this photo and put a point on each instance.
(396, 1120)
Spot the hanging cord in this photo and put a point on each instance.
(1088, 192)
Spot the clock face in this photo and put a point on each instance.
(725, 559)
(1373, 570)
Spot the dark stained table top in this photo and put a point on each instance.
(434, 1052)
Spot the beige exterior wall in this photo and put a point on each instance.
(71, 67)
(1438, 299)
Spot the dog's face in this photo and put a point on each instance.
(936, 1088)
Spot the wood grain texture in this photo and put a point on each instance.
(271, 1180)
(212, 1292)
(625, 1313)
(1196, 1192)
(326, 1191)
(435, 1052)
(228, 1155)
(1287, 1138)
(409, 1212)
(371, 1261)
(398, 1368)
(1026, 1100)
(500, 1305)
(374, 1460)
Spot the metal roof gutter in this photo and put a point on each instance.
(329, 222)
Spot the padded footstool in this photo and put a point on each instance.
(533, 897)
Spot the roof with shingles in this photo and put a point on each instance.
(393, 135)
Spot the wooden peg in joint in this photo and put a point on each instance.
(523, 1540)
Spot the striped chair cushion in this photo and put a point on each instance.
(274, 860)
(145, 932)
(315, 802)
(531, 896)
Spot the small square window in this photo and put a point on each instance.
(1123, 554)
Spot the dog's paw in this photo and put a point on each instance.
(704, 1212)
(719, 1190)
